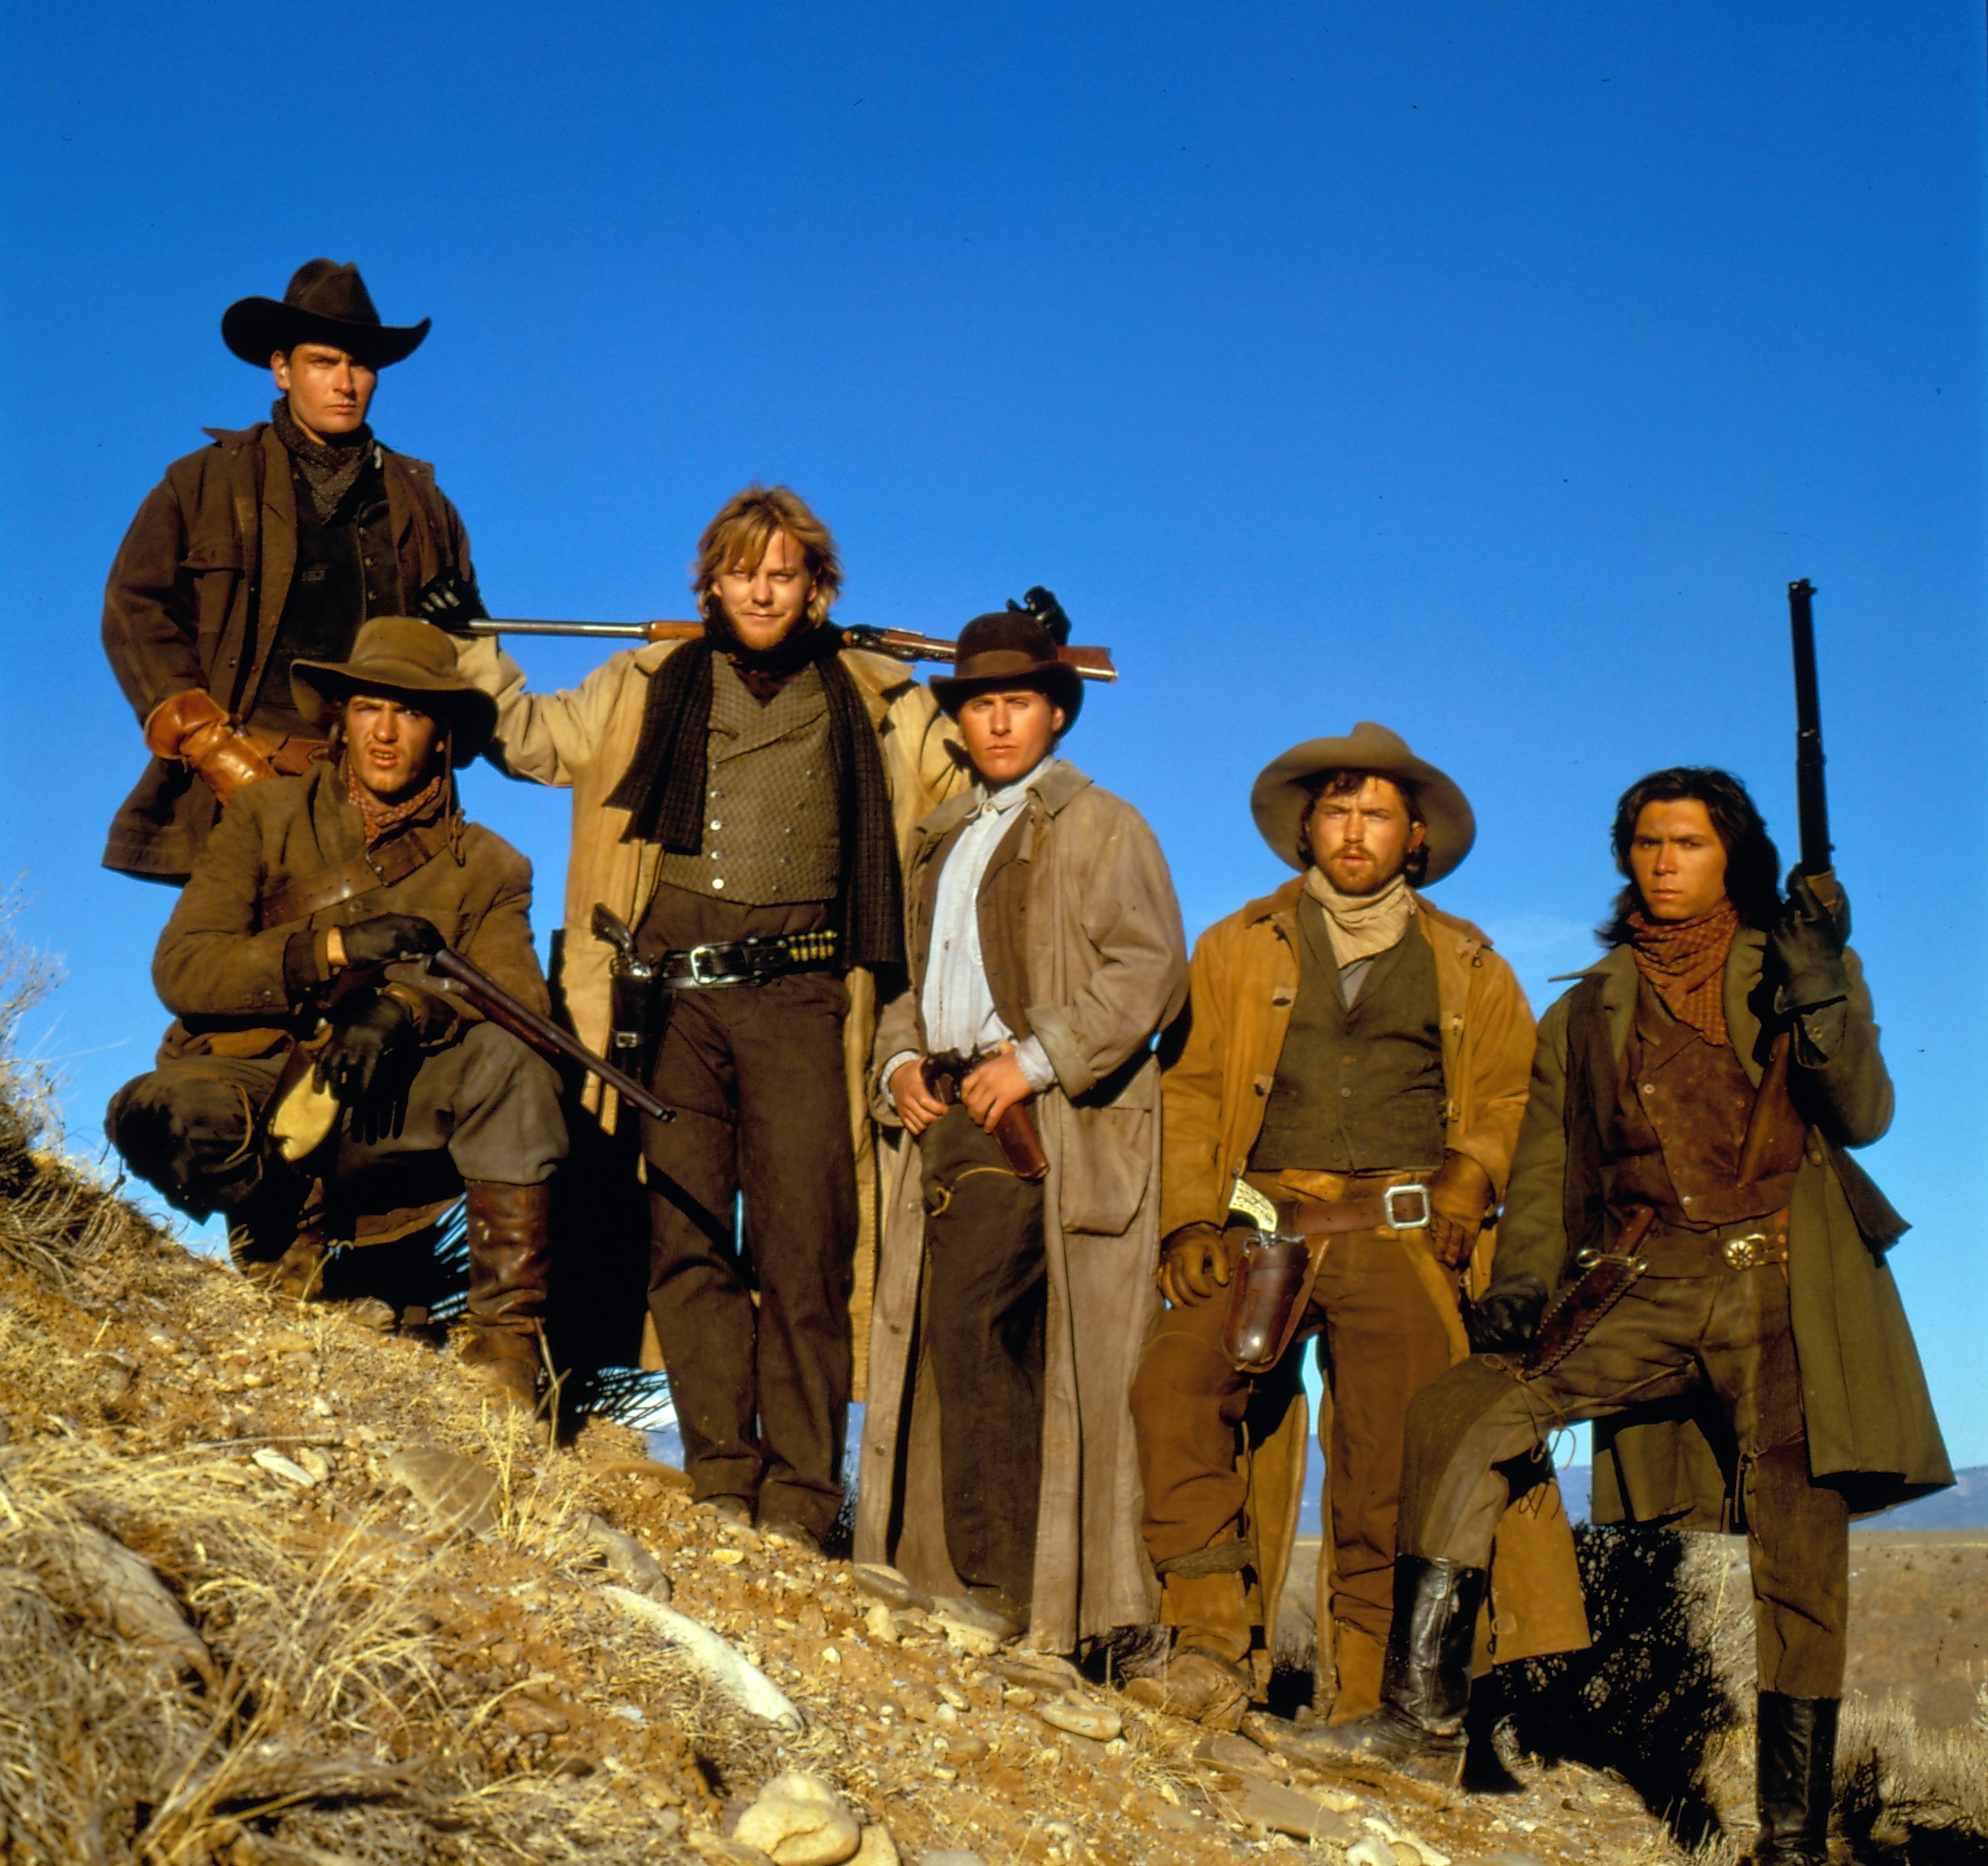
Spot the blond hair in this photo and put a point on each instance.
(739, 536)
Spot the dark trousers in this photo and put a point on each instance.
(1670, 1341)
(986, 1285)
(762, 1391)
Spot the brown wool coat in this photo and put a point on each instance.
(1103, 962)
(1242, 985)
(1871, 1426)
(240, 989)
(195, 595)
(584, 738)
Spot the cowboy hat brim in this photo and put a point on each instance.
(255, 328)
(320, 687)
(1281, 797)
(1062, 684)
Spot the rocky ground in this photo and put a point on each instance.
(277, 1590)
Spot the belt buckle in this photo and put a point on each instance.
(1410, 1189)
(697, 956)
(1746, 1251)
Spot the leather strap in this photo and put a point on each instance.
(1669, 1251)
(1218, 1558)
(745, 961)
(1311, 1217)
(381, 867)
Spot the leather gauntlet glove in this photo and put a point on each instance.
(386, 938)
(191, 729)
(450, 601)
(1805, 949)
(371, 1026)
(1195, 1261)
(1507, 1317)
(1459, 1196)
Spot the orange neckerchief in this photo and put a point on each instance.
(379, 817)
(1685, 961)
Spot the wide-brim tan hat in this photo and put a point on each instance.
(402, 658)
(1281, 797)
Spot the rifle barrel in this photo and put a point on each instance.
(528, 1024)
(596, 631)
(1811, 795)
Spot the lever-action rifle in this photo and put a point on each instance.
(899, 644)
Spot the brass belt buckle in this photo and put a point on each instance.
(1744, 1252)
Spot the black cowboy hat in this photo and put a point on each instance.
(325, 303)
(1008, 648)
(400, 658)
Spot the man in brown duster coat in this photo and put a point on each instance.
(1726, 1315)
(271, 545)
(304, 922)
(1014, 1294)
(1356, 1058)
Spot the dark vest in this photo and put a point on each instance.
(347, 570)
(1357, 1090)
(1681, 1108)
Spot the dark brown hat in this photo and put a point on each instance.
(325, 303)
(400, 658)
(1008, 648)
(1281, 798)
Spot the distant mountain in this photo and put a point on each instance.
(1965, 1506)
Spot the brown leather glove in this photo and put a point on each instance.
(1195, 1261)
(191, 727)
(1459, 1196)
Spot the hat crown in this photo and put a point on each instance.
(401, 644)
(1006, 631)
(326, 288)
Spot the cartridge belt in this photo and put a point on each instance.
(745, 961)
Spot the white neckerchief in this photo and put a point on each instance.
(1360, 925)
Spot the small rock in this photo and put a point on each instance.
(457, 1492)
(877, 1849)
(952, 1694)
(1372, 1851)
(628, 1558)
(883, 1582)
(382, 1318)
(730, 1558)
(531, 1717)
(1240, 1755)
(880, 1625)
(315, 1461)
(722, 1852)
(966, 1747)
(798, 1819)
(278, 1466)
(950, 1856)
(1098, 1722)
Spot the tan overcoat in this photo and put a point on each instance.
(584, 738)
(1243, 983)
(1106, 965)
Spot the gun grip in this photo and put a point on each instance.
(612, 930)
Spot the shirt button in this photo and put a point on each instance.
(1346, 1091)
(1649, 1088)
(715, 824)
(717, 881)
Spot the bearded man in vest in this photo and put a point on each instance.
(270, 547)
(741, 801)
(1356, 1058)
(1727, 1319)
(305, 923)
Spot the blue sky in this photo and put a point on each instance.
(1487, 372)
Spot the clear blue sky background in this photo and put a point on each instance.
(1486, 371)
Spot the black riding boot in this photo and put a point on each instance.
(1424, 1679)
(1797, 1768)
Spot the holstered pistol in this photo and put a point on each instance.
(637, 1007)
(1268, 1282)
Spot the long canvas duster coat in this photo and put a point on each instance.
(196, 593)
(584, 738)
(1244, 983)
(1871, 1426)
(1106, 965)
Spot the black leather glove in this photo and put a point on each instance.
(370, 1027)
(1506, 1318)
(451, 602)
(1805, 949)
(388, 937)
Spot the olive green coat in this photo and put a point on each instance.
(1871, 1426)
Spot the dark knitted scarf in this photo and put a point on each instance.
(663, 788)
(1685, 961)
(330, 469)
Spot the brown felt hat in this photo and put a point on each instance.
(325, 303)
(1281, 797)
(1009, 648)
(400, 658)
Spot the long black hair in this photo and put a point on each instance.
(1753, 864)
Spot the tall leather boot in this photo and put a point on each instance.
(1796, 1738)
(1424, 1680)
(1204, 1680)
(509, 1257)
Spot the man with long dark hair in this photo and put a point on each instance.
(1725, 1315)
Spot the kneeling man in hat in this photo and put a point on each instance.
(1014, 1281)
(268, 546)
(293, 959)
(1345, 1105)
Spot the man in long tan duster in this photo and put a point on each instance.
(1358, 1058)
(742, 802)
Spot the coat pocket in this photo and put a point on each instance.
(1106, 1167)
